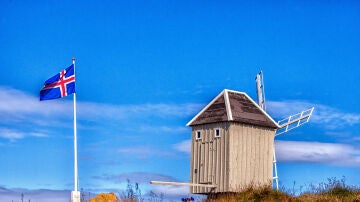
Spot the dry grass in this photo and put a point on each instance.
(251, 194)
(334, 194)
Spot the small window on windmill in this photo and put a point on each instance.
(217, 132)
(198, 135)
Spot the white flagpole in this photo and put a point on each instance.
(75, 195)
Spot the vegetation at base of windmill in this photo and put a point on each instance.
(253, 194)
(110, 197)
(333, 190)
(132, 193)
(156, 197)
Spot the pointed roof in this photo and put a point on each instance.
(233, 106)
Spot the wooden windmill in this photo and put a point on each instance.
(232, 143)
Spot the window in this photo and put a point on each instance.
(217, 132)
(198, 135)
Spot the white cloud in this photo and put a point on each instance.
(41, 195)
(18, 107)
(37, 134)
(14, 101)
(170, 193)
(14, 135)
(11, 135)
(298, 151)
(316, 152)
(17, 104)
(163, 129)
(175, 193)
(136, 177)
(326, 116)
(144, 152)
(130, 111)
(172, 190)
(184, 146)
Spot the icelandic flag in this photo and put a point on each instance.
(60, 85)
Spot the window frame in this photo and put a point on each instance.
(215, 134)
(196, 135)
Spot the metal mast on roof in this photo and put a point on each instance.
(260, 90)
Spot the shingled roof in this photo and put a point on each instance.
(233, 106)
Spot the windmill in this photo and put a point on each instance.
(232, 143)
(285, 125)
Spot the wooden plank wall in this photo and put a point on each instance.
(240, 157)
(250, 157)
(209, 158)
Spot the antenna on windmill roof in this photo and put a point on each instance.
(260, 91)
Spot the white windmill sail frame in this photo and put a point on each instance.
(294, 121)
(287, 124)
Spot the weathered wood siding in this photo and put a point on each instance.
(240, 157)
(209, 158)
(250, 157)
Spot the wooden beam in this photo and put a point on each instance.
(183, 184)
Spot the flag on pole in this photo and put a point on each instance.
(60, 85)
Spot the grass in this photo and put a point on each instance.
(267, 194)
(333, 191)
(251, 194)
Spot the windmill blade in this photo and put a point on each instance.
(294, 121)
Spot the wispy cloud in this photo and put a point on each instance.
(172, 191)
(18, 104)
(11, 135)
(326, 116)
(130, 111)
(18, 107)
(144, 152)
(299, 151)
(316, 152)
(16, 101)
(39, 195)
(357, 138)
(163, 129)
(14, 135)
(139, 177)
(184, 146)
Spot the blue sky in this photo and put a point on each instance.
(145, 68)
